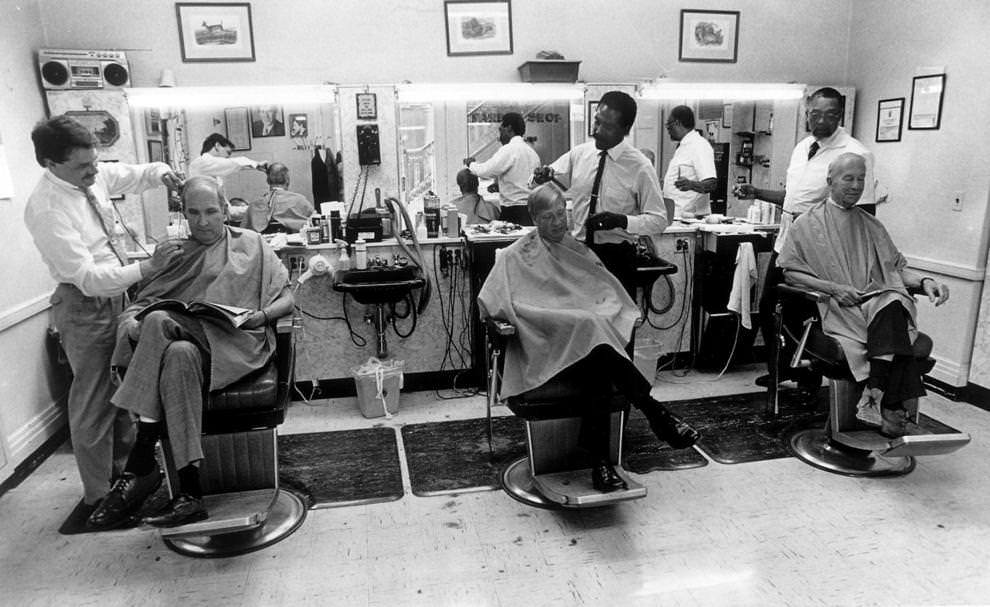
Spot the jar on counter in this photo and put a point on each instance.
(360, 254)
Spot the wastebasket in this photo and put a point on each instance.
(378, 383)
(645, 357)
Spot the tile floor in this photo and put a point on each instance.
(766, 533)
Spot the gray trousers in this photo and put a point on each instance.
(102, 435)
(165, 381)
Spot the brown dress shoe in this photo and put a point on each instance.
(125, 498)
(182, 510)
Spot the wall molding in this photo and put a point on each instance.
(955, 270)
(950, 372)
(24, 311)
(28, 438)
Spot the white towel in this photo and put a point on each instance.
(740, 298)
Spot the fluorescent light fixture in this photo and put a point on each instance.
(498, 91)
(721, 90)
(226, 96)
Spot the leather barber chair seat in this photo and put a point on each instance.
(239, 473)
(845, 445)
(556, 472)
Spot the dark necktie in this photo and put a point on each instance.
(104, 218)
(589, 234)
(813, 149)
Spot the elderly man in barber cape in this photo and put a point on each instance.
(571, 313)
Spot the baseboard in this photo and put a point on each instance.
(412, 382)
(24, 441)
(978, 396)
(34, 459)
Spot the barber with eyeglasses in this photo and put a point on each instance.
(805, 186)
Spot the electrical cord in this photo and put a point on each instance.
(410, 305)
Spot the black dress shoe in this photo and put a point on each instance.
(763, 381)
(125, 498)
(604, 478)
(670, 428)
(182, 510)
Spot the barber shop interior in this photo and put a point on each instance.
(495, 302)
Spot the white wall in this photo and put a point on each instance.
(29, 414)
(890, 41)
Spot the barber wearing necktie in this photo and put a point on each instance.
(71, 220)
(805, 186)
(614, 188)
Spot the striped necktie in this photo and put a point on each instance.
(589, 234)
(105, 217)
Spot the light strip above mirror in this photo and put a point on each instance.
(489, 91)
(222, 96)
(721, 90)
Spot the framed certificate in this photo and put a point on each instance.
(890, 117)
(927, 93)
(367, 106)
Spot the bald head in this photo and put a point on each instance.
(846, 179)
(205, 208)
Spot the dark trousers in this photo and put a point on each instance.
(888, 334)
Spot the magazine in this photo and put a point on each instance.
(234, 315)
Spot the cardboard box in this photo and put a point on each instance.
(549, 70)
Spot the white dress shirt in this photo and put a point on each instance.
(513, 165)
(68, 233)
(218, 166)
(806, 185)
(693, 159)
(629, 187)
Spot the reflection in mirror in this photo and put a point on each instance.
(417, 145)
(547, 127)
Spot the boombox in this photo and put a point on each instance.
(71, 69)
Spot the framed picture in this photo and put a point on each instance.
(298, 125)
(153, 121)
(592, 110)
(709, 36)
(367, 106)
(267, 121)
(926, 102)
(890, 117)
(100, 123)
(726, 115)
(155, 151)
(238, 127)
(211, 31)
(478, 28)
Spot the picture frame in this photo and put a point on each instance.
(215, 32)
(478, 27)
(156, 151)
(153, 121)
(367, 106)
(927, 93)
(890, 119)
(100, 123)
(726, 115)
(238, 125)
(298, 125)
(267, 121)
(709, 36)
(592, 109)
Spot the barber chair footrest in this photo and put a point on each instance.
(815, 447)
(239, 523)
(570, 489)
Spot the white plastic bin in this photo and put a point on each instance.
(645, 357)
(378, 383)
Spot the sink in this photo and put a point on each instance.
(378, 285)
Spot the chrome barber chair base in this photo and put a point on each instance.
(287, 513)
(571, 489)
(814, 447)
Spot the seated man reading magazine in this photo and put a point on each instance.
(173, 356)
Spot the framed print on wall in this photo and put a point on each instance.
(156, 151)
(478, 28)
(927, 93)
(267, 121)
(298, 125)
(210, 31)
(238, 127)
(709, 36)
(890, 117)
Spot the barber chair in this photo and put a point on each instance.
(556, 472)
(845, 445)
(239, 473)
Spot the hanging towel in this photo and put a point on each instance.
(741, 296)
(333, 177)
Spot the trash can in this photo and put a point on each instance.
(378, 383)
(645, 357)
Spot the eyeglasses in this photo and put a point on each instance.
(831, 116)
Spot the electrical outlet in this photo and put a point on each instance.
(957, 200)
(682, 244)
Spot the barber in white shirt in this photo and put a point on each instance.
(215, 159)
(691, 173)
(71, 219)
(512, 165)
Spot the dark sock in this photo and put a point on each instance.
(141, 460)
(189, 481)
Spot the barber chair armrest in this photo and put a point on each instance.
(787, 290)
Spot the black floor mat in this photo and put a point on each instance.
(643, 452)
(342, 468)
(448, 457)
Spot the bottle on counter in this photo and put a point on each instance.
(335, 232)
(360, 254)
(343, 260)
(420, 226)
